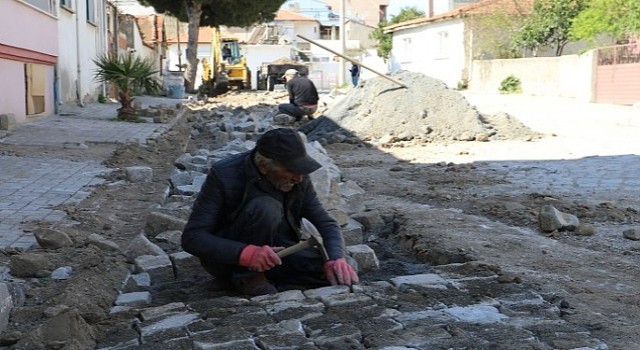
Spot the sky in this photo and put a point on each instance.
(396, 5)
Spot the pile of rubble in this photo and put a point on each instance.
(384, 113)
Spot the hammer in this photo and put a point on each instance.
(314, 240)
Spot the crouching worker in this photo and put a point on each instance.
(251, 206)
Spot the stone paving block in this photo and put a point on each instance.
(295, 309)
(289, 295)
(334, 336)
(284, 342)
(476, 314)
(137, 283)
(352, 232)
(319, 293)
(139, 174)
(7, 121)
(242, 344)
(158, 267)
(186, 265)
(227, 334)
(171, 308)
(425, 280)
(346, 299)
(157, 223)
(175, 323)
(409, 319)
(364, 256)
(6, 304)
(371, 220)
(135, 299)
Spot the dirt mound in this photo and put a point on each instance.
(425, 111)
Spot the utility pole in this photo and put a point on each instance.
(341, 69)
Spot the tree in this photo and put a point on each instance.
(618, 18)
(549, 24)
(385, 39)
(213, 13)
(130, 75)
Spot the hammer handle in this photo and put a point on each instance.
(294, 248)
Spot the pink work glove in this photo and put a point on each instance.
(340, 272)
(259, 258)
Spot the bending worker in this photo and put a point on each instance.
(303, 96)
(250, 207)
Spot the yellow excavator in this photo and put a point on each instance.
(228, 68)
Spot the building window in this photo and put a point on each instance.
(443, 45)
(67, 4)
(44, 5)
(406, 50)
(91, 11)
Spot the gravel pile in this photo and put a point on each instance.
(383, 112)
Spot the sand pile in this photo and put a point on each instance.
(383, 112)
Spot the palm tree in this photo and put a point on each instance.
(131, 75)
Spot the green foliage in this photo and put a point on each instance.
(232, 13)
(618, 18)
(510, 85)
(549, 24)
(102, 99)
(493, 35)
(385, 39)
(131, 75)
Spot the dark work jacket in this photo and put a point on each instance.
(223, 195)
(302, 92)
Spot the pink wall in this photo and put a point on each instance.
(26, 27)
(26, 35)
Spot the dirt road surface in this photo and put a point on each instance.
(462, 209)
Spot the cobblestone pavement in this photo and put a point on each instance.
(31, 186)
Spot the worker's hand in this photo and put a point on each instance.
(340, 272)
(259, 258)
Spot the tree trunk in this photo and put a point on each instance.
(194, 12)
(126, 110)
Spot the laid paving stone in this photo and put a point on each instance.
(318, 293)
(295, 310)
(289, 295)
(172, 326)
(137, 283)
(225, 335)
(476, 314)
(242, 344)
(151, 312)
(158, 267)
(346, 299)
(135, 299)
(424, 280)
(336, 336)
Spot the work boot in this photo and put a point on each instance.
(254, 285)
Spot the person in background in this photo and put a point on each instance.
(303, 96)
(226, 53)
(251, 206)
(355, 74)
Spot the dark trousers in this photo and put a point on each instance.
(297, 111)
(262, 222)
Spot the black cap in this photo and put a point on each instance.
(286, 147)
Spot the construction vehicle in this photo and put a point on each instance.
(228, 68)
(270, 73)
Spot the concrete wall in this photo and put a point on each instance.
(567, 76)
(81, 42)
(436, 50)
